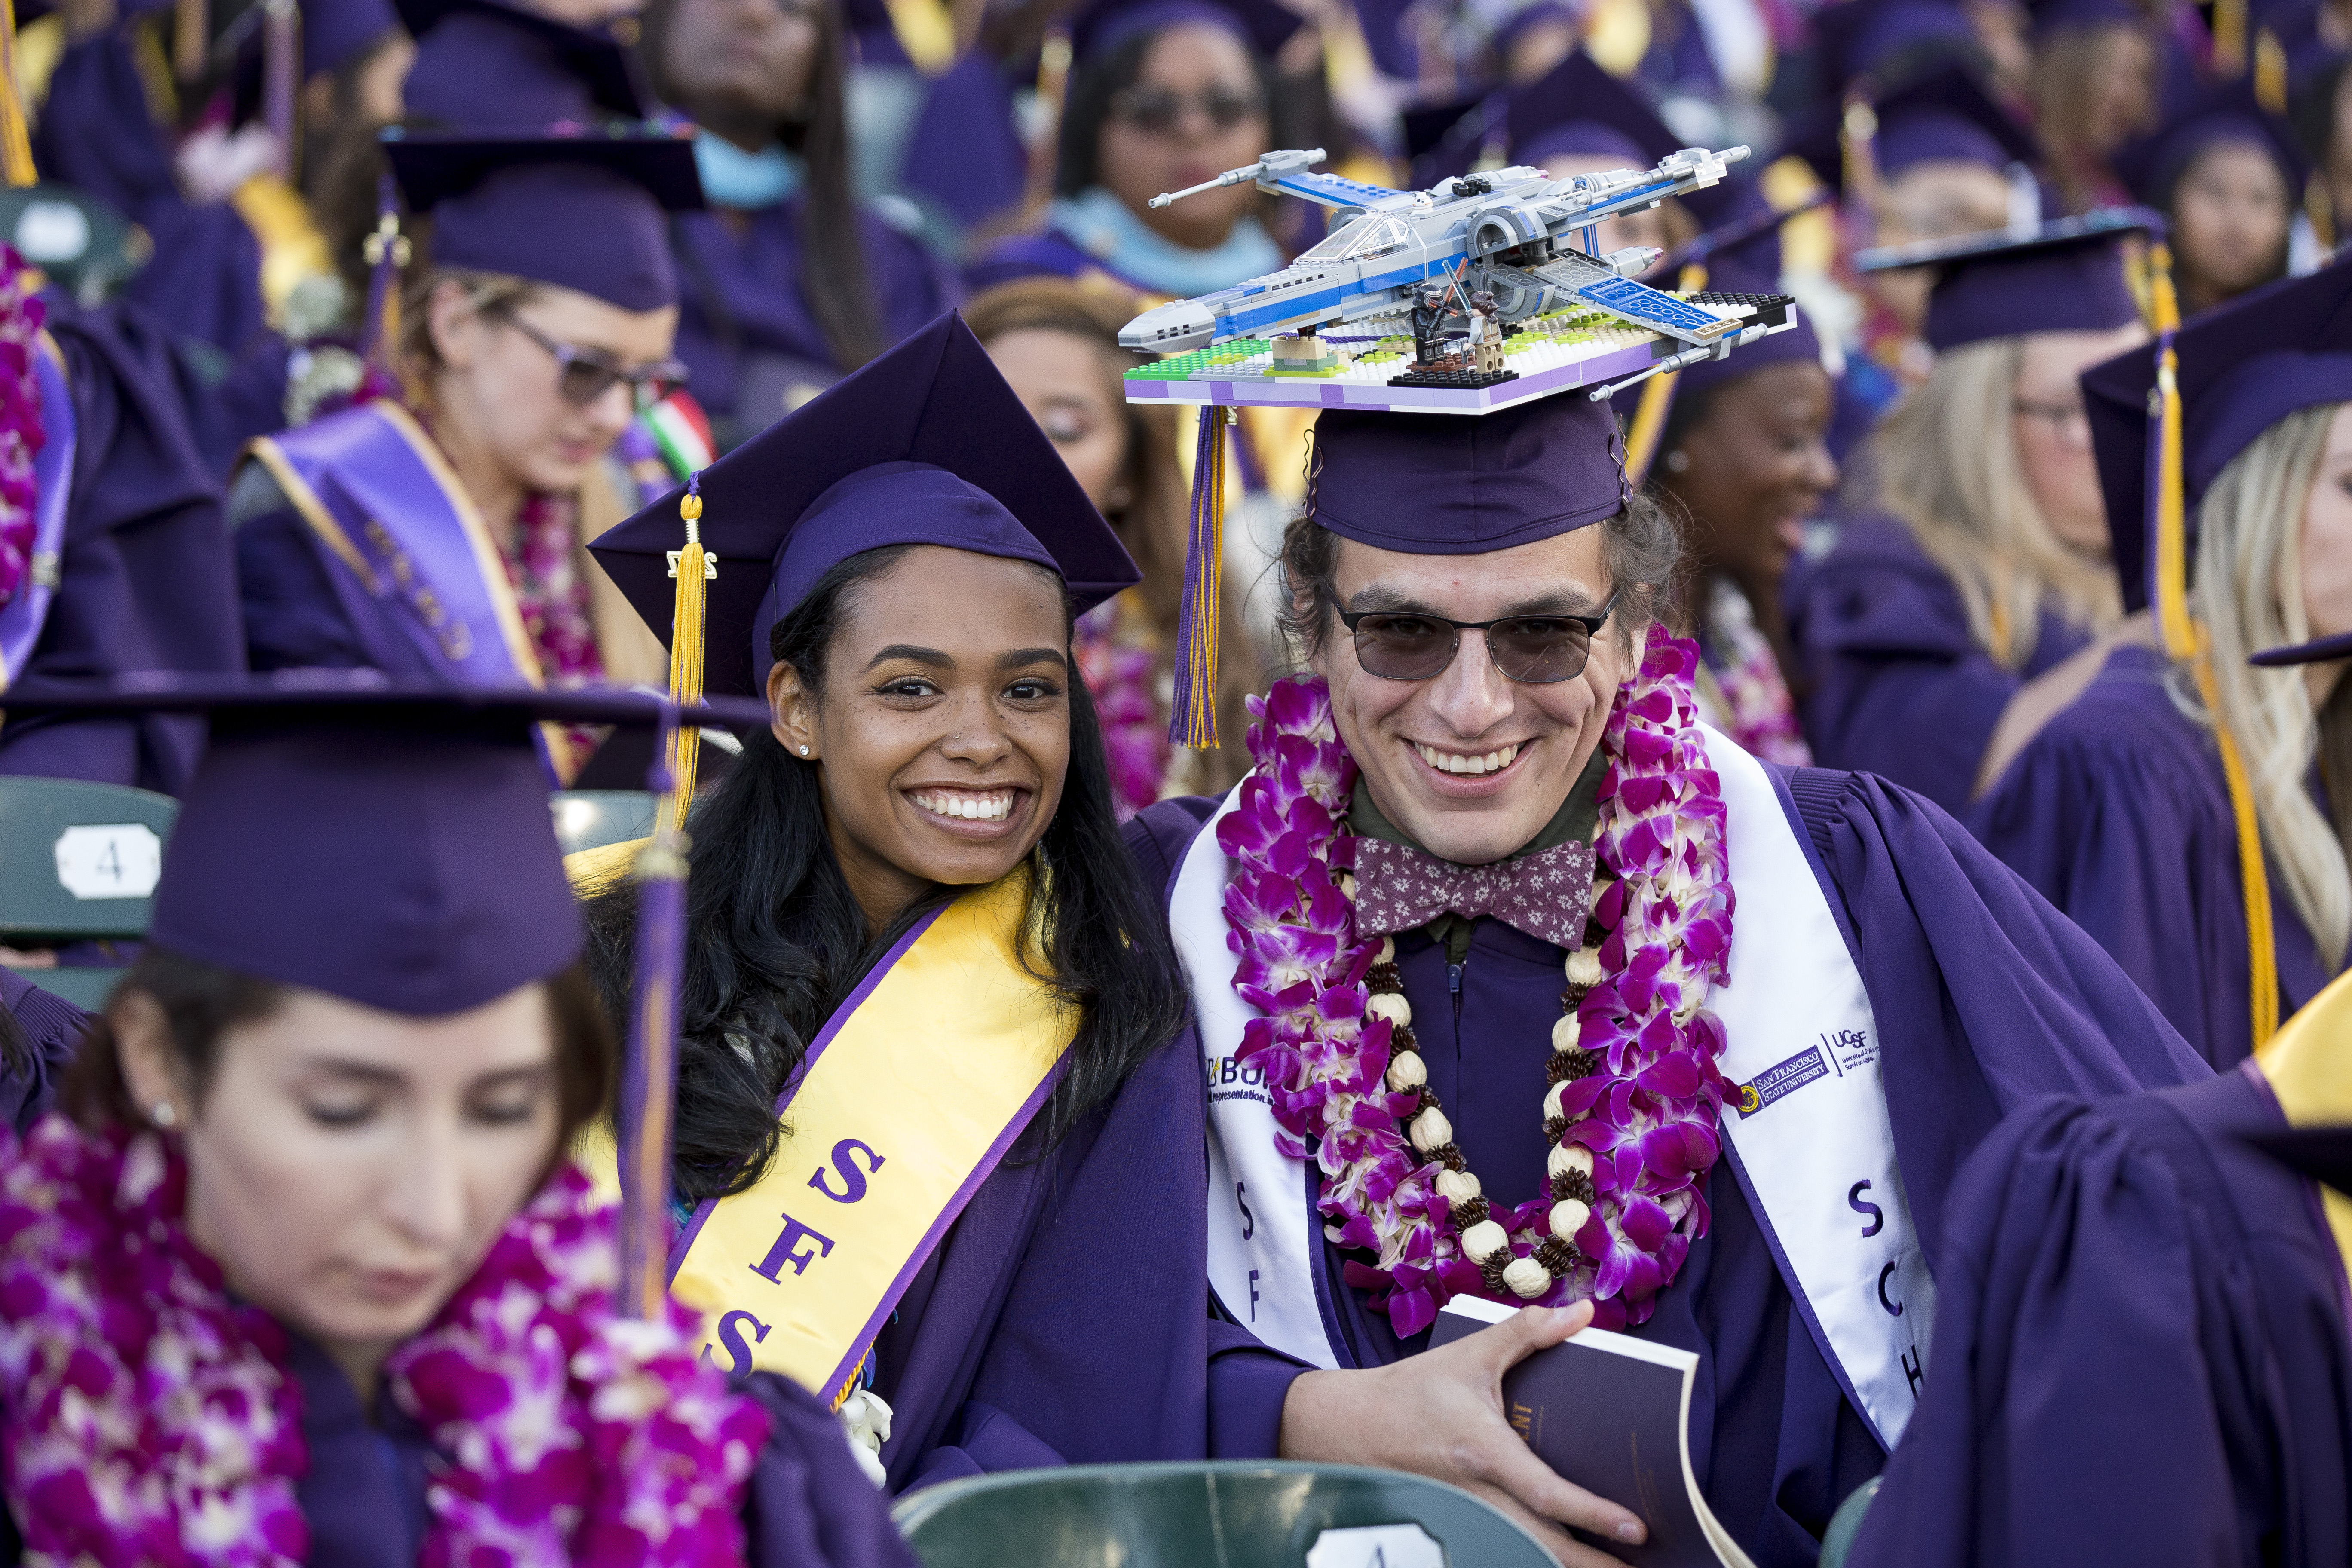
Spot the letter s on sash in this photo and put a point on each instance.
(730, 1335)
(845, 1160)
(1860, 1204)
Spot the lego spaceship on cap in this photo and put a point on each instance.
(1476, 294)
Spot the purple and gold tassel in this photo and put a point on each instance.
(1193, 715)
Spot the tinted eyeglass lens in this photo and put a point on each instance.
(1539, 650)
(1403, 647)
(585, 381)
(1156, 111)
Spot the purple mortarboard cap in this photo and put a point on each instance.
(1800, 343)
(1863, 36)
(1445, 141)
(2228, 112)
(925, 445)
(483, 65)
(1443, 484)
(2064, 277)
(2059, 15)
(1526, 18)
(1578, 109)
(2243, 366)
(387, 844)
(1945, 114)
(337, 32)
(1104, 25)
(585, 212)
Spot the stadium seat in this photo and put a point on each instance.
(1234, 1514)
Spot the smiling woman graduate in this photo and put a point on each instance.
(936, 1132)
(305, 1278)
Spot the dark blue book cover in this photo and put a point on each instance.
(1610, 1412)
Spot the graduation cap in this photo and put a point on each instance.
(1438, 484)
(1578, 109)
(2064, 277)
(925, 445)
(1945, 115)
(1863, 36)
(2229, 112)
(337, 32)
(2053, 17)
(1444, 140)
(385, 842)
(1104, 24)
(485, 65)
(2242, 367)
(584, 211)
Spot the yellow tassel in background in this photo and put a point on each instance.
(694, 568)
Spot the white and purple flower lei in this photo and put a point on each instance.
(147, 1419)
(1644, 1095)
(21, 431)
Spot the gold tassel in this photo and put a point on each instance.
(2187, 641)
(694, 568)
(1193, 721)
(1657, 396)
(15, 136)
(188, 40)
(2270, 72)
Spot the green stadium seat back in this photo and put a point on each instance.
(1228, 1514)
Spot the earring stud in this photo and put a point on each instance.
(1677, 460)
(163, 1115)
(803, 750)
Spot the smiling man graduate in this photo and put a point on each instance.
(1795, 999)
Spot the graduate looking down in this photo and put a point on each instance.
(938, 1140)
(1794, 999)
(1974, 555)
(286, 1275)
(2121, 808)
(440, 534)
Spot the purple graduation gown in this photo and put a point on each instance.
(1051, 254)
(51, 1027)
(2117, 812)
(807, 1504)
(1065, 1317)
(96, 132)
(1983, 995)
(1893, 682)
(147, 580)
(742, 303)
(2141, 1351)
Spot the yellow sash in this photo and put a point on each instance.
(909, 1099)
(2309, 1065)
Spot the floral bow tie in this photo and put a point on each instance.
(1547, 894)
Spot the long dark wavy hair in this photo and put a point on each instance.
(775, 941)
(833, 276)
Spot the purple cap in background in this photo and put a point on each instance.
(2064, 277)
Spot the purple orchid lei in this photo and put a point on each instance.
(148, 1419)
(21, 432)
(1635, 1094)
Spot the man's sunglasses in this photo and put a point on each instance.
(1539, 650)
(1157, 110)
(586, 374)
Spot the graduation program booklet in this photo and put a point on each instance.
(1612, 1413)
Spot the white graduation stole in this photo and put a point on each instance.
(1814, 1146)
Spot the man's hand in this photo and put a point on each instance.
(1440, 1414)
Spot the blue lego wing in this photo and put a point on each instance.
(1586, 280)
(1332, 190)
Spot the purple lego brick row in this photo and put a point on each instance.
(1301, 394)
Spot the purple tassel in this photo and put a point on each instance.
(1193, 710)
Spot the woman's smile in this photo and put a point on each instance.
(973, 813)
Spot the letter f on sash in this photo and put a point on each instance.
(785, 1252)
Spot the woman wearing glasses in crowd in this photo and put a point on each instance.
(1164, 95)
(443, 533)
(1970, 565)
